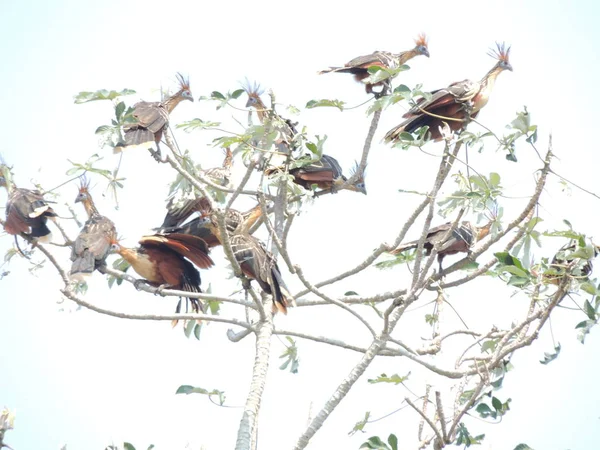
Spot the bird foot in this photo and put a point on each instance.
(160, 289)
(138, 283)
(157, 155)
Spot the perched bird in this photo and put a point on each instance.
(325, 173)
(162, 260)
(285, 140)
(221, 175)
(454, 105)
(205, 225)
(152, 118)
(26, 210)
(572, 259)
(462, 238)
(94, 242)
(259, 264)
(359, 66)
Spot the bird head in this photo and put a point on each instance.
(359, 184)
(501, 53)
(421, 45)
(83, 195)
(184, 88)
(254, 92)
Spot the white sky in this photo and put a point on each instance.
(83, 379)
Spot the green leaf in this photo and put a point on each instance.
(128, 446)
(350, 293)
(291, 356)
(548, 357)
(523, 447)
(360, 425)
(187, 389)
(197, 330)
(217, 95)
(589, 310)
(375, 443)
(102, 94)
(236, 94)
(395, 379)
(393, 441)
(197, 124)
(325, 102)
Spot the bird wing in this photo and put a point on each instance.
(459, 92)
(96, 236)
(151, 115)
(189, 246)
(377, 58)
(26, 212)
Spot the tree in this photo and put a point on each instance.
(481, 355)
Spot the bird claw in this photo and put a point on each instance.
(138, 283)
(156, 154)
(160, 289)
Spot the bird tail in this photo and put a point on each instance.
(41, 231)
(404, 247)
(136, 137)
(333, 69)
(83, 266)
(281, 296)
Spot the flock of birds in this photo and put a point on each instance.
(171, 256)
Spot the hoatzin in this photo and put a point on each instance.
(359, 66)
(152, 118)
(259, 264)
(93, 244)
(161, 261)
(26, 211)
(221, 175)
(574, 260)
(325, 173)
(462, 238)
(285, 128)
(454, 105)
(208, 230)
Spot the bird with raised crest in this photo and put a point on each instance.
(325, 173)
(461, 239)
(455, 105)
(27, 211)
(359, 67)
(151, 119)
(93, 244)
(285, 141)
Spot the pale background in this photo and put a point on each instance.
(82, 379)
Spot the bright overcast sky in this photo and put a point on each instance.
(79, 378)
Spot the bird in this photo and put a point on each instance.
(325, 173)
(285, 140)
(454, 105)
(205, 225)
(94, 242)
(27, 211)
(572, 259)
(151, 119)
(221, 175)
(462, 239)
(359, 66)
(259, 264)
(167, 259)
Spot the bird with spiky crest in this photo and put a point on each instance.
(26, 210)
(455, 105)
(285, 141)
(93, 244)
(221, 175)
(359, 66)
(151, 119)
(326, 173)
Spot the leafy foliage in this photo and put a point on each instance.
(186, 389)
(375, 443)
(291, 356)
(395, 379)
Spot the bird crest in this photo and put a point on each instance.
(184, 82)
(254, 91)
(421, 40)
(359, 184)
(84, 184)
(501, 52)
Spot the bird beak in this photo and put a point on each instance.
(425, 52)
(363, 190)
(248, 103)
(509, 67)
(78, 199)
